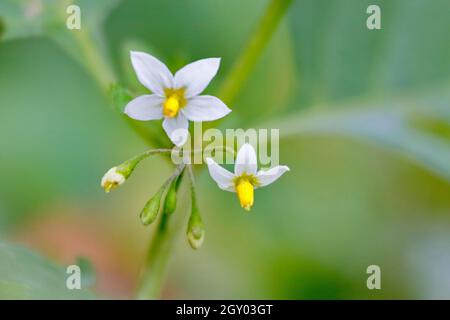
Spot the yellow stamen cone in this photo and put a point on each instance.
(245, 193)
(171, 107)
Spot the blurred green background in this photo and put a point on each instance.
(365, 123)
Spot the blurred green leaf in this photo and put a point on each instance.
(26, 275)
(338, 58)
(394, 124)
(25, 18)
(396, 85)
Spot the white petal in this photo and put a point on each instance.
(230, 188)
(147, 107)
(266, 177)
(223, 177)
(246, 161)
(205, 108)
(177, 129)
(196, 76)
(151, 72)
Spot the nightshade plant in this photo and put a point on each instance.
(177, 100)
(353, 84)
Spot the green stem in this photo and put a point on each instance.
(249, 57)
(157, 259)
(158, 253)
(95, 62)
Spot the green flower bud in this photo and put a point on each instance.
(196, 229)
(151, 209)
(171, 198)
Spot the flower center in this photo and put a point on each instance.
(174, 102)
(244, 190)
(171, 107)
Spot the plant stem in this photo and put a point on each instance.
(95, 62)
(155, 265)
(158, 253)
(245, 63)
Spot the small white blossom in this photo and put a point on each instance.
(112, 179)
(176, 98)
(245, 178)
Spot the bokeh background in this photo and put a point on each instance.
(365, 123)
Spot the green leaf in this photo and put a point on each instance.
(417, 127)
(384, 86)
(24, 18)
(27, 275)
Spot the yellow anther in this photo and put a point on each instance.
(244, 190)
(109, 185)
(171, 107)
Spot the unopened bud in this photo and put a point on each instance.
(117, 175)
(151, 209)
(171, 198)
(196, 229)
(112, 179)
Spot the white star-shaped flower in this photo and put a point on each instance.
(175, 98)
(245, 178)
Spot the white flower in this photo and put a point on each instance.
(245, 178)
(112, 179)
(175, 98)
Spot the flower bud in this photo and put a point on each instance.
(171, 198)
(117, 175)
(151, 209)
(196, 229)
(112, 179)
